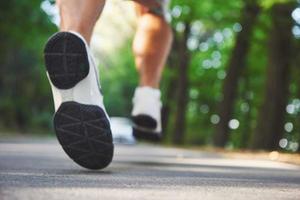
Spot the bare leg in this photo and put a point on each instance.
(151, 46)
(80, 15)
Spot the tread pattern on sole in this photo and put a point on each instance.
(146, 135)
(144, 121)
(85, 135)
(66, 60)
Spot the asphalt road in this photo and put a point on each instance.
(39, 169)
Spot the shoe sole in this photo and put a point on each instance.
(143, 128)
(84, 133)
(82, 130)
(66, 60)
(144, 134)
(144, 121)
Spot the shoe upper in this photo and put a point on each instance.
(147, 102)
(87, 91)
(81, 123)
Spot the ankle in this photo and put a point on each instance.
(81, 29)
(152, 83)
(146, 93)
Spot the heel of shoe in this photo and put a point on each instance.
(147, 135)
(144, 121)
(66, 60)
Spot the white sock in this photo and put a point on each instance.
(146, 101)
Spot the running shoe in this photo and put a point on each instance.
(146, 114)
(80, 121)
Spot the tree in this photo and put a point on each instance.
(182, 91)
(25, 96)
(235, 66)
(194, 23)
(297, 65)
(271, 117)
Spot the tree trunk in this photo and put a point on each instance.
(297, 65)
(182, 92)
(236, 63)
(166, 109)
(298, 94)
(245, 133)
(170, 91)
(270, 125)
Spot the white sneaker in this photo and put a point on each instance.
(146, 114)
(80, 121)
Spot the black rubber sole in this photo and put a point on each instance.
(141, 134)
(144, 121)
(85, 135)
(66, 60)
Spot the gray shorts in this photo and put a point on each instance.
(162, 9)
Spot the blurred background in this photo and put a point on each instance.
(232, 79)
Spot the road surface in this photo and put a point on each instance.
(39, 169)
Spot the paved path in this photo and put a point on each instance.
(38, 169)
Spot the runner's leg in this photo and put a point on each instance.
(151, 48)
(151, 45)
(80, 15)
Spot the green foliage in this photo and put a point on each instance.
(209, 19)
(269, 3)
(25, 98)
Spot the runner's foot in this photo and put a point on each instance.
(146, 114)
(80, 121)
